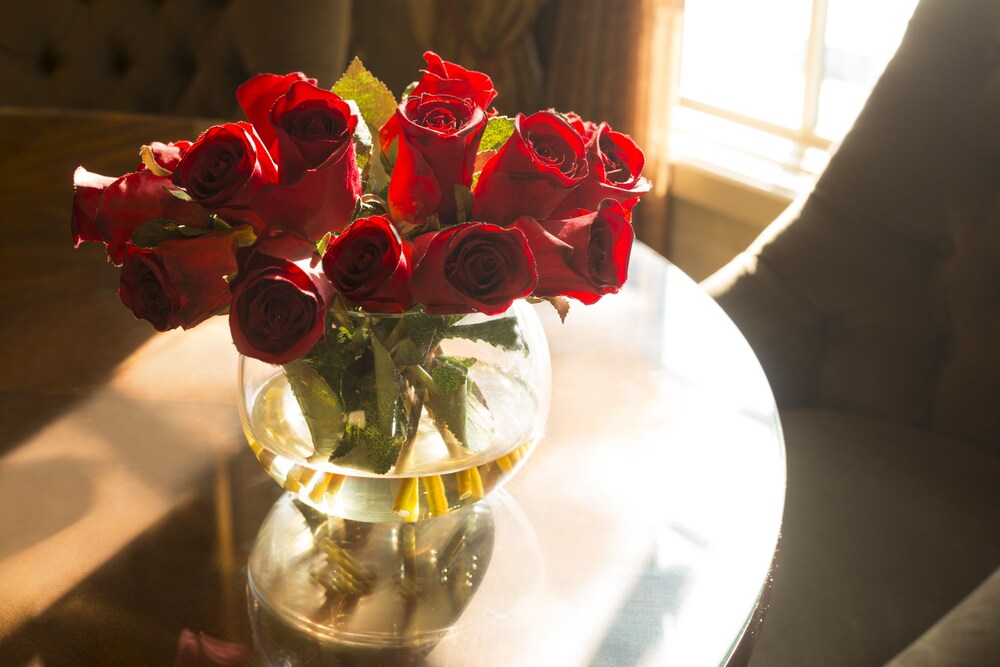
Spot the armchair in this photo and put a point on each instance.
(873, 304)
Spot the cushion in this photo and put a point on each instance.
(969, 636)
(886, 529)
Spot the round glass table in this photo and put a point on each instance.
(642, 530)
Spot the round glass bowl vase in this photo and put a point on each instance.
(401, 417)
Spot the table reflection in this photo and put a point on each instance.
(644, 526)
(327, 590)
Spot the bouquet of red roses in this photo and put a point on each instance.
(329, 202)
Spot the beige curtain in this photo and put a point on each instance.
(618, 61)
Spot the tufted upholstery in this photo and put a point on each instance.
(182, 57)
(873, 304)
(879, 293)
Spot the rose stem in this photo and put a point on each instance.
(504, 464)
(329, 484)
(415, 404)
(405, 504)
(462, 477)
(338, 556)
(437, 504)
(477, 484)
(395, 335)
(470, 484)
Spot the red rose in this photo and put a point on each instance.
(438, 128)
(472, 267)
(585, 128)
(584, 257)
(110, 210)
(319, 182)
(444, 78)
(258, 95)
(280, 299)
(180, 282)
(225, 169)
(88, 188)
(370, 265)
(438, 139)
(534, 170)
(167, 156)
(615, 167)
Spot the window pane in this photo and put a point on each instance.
(861, 37)
(756, 155)
(747, 57)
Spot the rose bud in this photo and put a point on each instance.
(319, 181)
(445, 78)
(256, 97)
(110, 209)
(180, 282)
(615, 166)
(451, 166)
(370, 265)
(472, 267)
(584, 257)
(438, 139)
(224, 171)
(280, 300)
(538, 166)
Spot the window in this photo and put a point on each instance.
(767, 87)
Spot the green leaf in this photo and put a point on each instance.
(179, 194)
(146, 155)
(501, 332)
(407, 354)
(426, 331)
(320, 406)
(386, 385)
(463, 203)
(377, 181)
(498, 131)
(323, 243)
(560, 303)
(450, 373)
(154, 232)
(375, 101)
(219, 223)
(383, 449)
(362, 137)
(461, 416)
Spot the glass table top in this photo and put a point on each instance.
(641, 531)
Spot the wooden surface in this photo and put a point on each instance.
(57, 300)
(129, 500)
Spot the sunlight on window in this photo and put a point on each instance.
(747, 57)
(861, 37)
(779, 79)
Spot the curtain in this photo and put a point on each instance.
(492, 36)
(618, 61)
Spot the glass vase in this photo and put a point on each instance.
(401, 417)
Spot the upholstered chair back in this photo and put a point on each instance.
(879, 292)
(163, 56)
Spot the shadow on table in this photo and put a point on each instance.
(184, 572)
(638, 629)
(31, 512)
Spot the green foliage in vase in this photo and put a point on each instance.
(363, 388)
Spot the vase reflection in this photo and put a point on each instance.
(328, 590)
